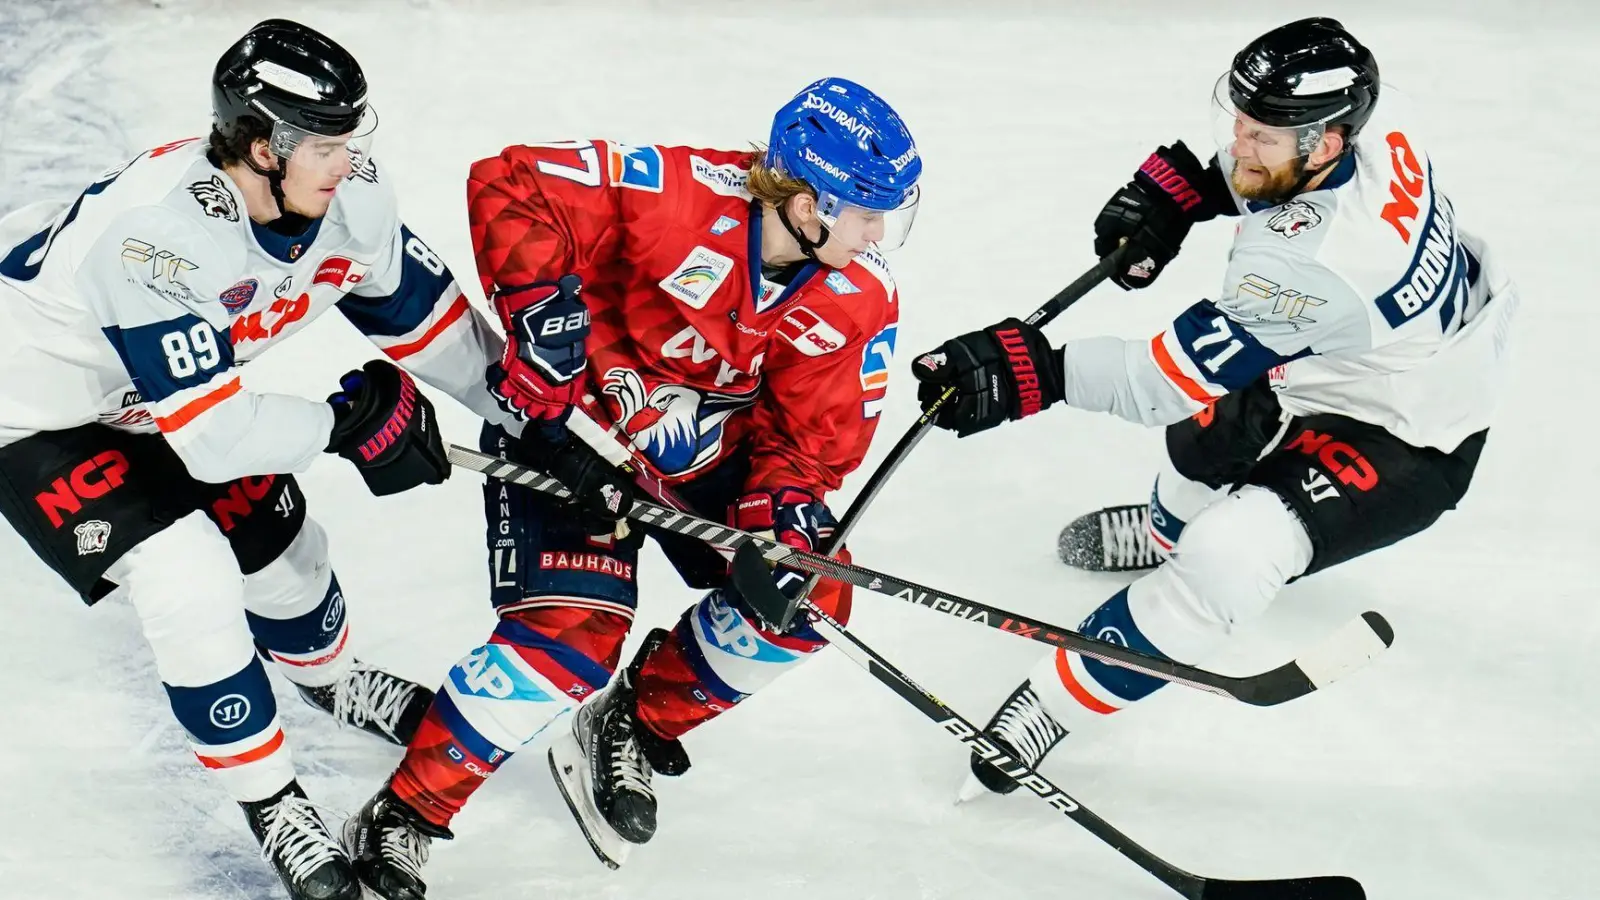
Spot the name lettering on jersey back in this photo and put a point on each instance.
(1405, 188)
(1437, 269)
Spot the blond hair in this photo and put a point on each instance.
(770, 186)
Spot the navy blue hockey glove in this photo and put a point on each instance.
(602, 494)
(547, 327)
(791, 516)
(384, 424)
(1154, 211)
(1004, 372)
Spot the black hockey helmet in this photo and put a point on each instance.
(293, 81)
(1305, 74)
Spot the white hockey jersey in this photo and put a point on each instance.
(136, 304)
(1362, 298)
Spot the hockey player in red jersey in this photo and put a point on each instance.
(720, 319)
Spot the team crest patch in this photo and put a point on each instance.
(1294, 219)
(236, 298)
(215, 198)
(639, 168)
(839, 284)
(697, 277)
(724, 224)
(92, 536)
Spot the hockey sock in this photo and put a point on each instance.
(1077, 690)
(717, 655)
(535, 666)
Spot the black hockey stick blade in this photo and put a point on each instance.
(752, 578)
(1321, 887)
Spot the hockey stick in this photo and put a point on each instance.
(1194, 887)
(1042, 316)
(1348, 649)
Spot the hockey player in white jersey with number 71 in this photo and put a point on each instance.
(132, 454)
(1333, 400)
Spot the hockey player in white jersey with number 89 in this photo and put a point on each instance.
(131, 454)
(1332, 401)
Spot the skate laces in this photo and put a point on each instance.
(629, 771)
(1024, 724)
(295, 834)
(1125, 537)
(403, 845)
(369, 694)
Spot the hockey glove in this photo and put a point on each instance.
(384, 425)
(547, 327)
(1004, 372)
(601, 493)
(1154, 211)
(789, 516)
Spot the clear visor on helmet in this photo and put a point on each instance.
(1254, 144)
(860, 227)
(327, 154)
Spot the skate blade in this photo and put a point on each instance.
(970, 790)
(571, 775)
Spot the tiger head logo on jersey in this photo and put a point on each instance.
(1294, 219)
(215, 198)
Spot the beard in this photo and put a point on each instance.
(1277, 185)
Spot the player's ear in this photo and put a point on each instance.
(1331, 145)
(261, 154)
(802, 207)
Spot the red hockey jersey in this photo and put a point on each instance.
(693, 354)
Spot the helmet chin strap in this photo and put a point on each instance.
(807, 246)
(274, 180)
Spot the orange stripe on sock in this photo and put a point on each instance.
(1070, 682)
(1169, 368)
(249, 756)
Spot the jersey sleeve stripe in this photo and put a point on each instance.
(440, 325)
(197, 407)
(1191, 388)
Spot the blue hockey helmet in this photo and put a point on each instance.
(852, 148)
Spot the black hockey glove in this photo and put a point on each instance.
(601, 493)
(1153, 212)
(1004, 372)
(384, 424)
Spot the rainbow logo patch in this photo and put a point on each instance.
(697, 277)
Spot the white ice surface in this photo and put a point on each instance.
(1462, 764)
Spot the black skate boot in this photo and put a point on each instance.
(388, 842)
(1114, 539)
(1022, 728)
(603, 766)
(300, 848)
(374, 701)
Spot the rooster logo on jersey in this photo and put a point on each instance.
(677, 428)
